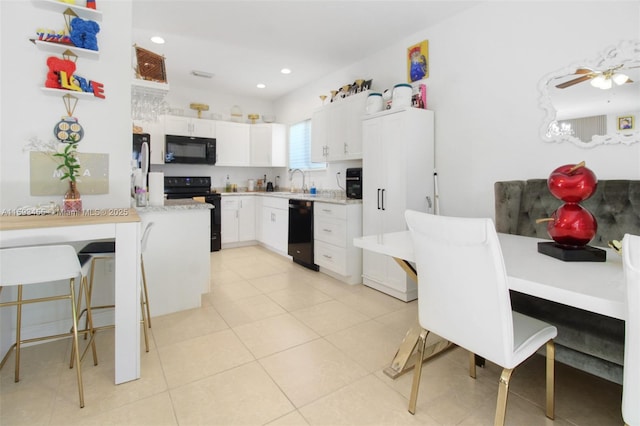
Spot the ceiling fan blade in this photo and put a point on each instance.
(575, 81)
(583, 71)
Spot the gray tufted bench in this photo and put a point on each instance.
(587, 341)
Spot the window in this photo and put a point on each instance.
(300, 147)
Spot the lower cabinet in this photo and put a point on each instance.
(238, 216)
(274, 224)
(335, 226)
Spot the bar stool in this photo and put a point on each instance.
(35, 265)
(103, 250)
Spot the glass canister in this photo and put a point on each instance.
(401, 95)
(374, 103)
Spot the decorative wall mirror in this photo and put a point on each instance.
(595, 101)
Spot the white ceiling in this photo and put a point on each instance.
(246, 42)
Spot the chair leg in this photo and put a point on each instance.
(503, 392)
(75, 343)
(146, 293)
(18, 334)
(144, 322)
(551, 379)
(88, 329)
(472, 365)
(417, 372)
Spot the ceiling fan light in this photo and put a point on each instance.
(620, 79)
(606, 84)
(598, 81)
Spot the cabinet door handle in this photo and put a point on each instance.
(327, 256)
(327, 230)
(326, 210)
(383, 199)
(378, 199)
(345, 148)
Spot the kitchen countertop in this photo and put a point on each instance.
(297, 196)
(173, 205)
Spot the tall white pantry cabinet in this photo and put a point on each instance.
(398, 167)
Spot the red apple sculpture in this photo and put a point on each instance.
(571, 225)
(572, 183)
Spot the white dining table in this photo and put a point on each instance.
(592, 286)
(121, 224)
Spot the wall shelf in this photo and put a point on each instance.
(60, 48)
(58, 6)
(62, 92)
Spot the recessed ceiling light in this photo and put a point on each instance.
(202, 74)
(261, 85)
(157, 40)
(285, 71)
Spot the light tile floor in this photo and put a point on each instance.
(277, 344)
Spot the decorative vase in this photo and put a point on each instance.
(72, 201)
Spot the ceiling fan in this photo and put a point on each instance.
(599, 79)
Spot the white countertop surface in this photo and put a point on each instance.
(296, 196)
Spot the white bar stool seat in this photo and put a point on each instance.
(36, 265)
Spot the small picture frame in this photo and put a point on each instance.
(418, 61)
(626, 122)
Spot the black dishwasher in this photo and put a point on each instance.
(301, 233)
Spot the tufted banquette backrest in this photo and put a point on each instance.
(615, 205)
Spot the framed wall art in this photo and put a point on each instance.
(418, 61)
(626, 122)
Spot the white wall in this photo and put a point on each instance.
(485, 64)
(27, 112)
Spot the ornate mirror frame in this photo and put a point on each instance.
(627, 53)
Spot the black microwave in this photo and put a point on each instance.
(189, 150)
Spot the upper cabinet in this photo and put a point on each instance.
(237, 144)
(187, 126)
(233, 144)
(268, 145)
(336, 131)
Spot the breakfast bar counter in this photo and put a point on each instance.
(121, 224)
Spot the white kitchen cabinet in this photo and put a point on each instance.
(233, 144)
(238, 217)
(268, 145)
(187, 126)
(156, 134)
(335, 227)
(336, 130)
(398, 165)
(274, 226)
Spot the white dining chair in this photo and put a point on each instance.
(631, 372)
(33, 265)
(463, 297)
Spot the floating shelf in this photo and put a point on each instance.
(62, 92)
(60, 48)
(149, 86)
(58, 6)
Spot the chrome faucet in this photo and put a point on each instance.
(304, 186)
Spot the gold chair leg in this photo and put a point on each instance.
(417, 372)
(503, 392)
(75, 343)
(18, 334)
(472, 365)
(144, 322)
(551, 350)
(146, 293)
